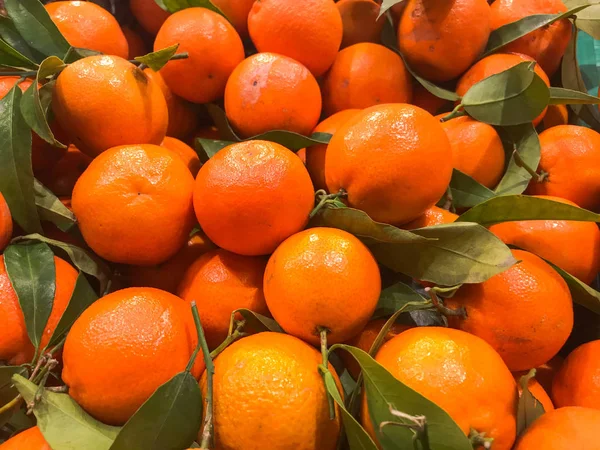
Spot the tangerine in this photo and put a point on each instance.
(185, 152)
(577, 383)
(30, 439)
(360, 21)
(148, 14)
(433, 216)
(6, 225)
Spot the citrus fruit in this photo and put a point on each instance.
(272, 92)
(315, 154)
(538, 392)
(556, 115)
(545, 373)
(322, 278)
(382, 159)
(309, 32)
(524, 313)
(87, 25)
(424, 99)
(149, 15)
(30, 439)
(572, 245)
(459, 372)
(433, 216)
(221, 282)
(214, 49)
(577, 383)
(360, 21)
(123, 347)
(6, 225)
(134, 204)
(563, 429)
(137, 46)
(252, 195)
(63, 175)
(185, 152)
(440, 40)
(236, 12)
(268, 393)
(15, 346)
(105, 101)
(364, 75)
(569, 157)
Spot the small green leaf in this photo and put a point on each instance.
(30, 268)
(75, 54)
(9, 57)
(168, 420)
(399, 297)
(206, 148)
(157, 60)
(291, 140)
(258, 322)
(386, 5)
(529, 408)
(7, 389)
(64, 424)
(581, 293)
(467, 192)
(177, 5)
(37, 28)
(10, 34)
(51, 209)
(561, 96)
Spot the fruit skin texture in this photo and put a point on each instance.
(149, 15)
(134, 204)
(546, 45)
(236, 12)
(477, 149)
(385, 168)
(573, 246)
(577, 383)
(309, 32)
(272, 92)
(214, 49)
(105, 101)
(311, 274)
(364, 75)
(315, 154)
(268, 393)
(556, 115)
(6, 225)
(440, 40)
(221, 282)
(123, 347)
(359, 21)
(237, 189)
(30, 439)
(87, 25)
(563, 429)
(185, 152)
(570, 155)
(15, 346)
(460, 373)
(524, 313)
(433, 216)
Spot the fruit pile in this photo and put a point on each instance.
(299, 225)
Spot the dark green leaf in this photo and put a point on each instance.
(177, 5)
(64, 424)
(561, 96)
(82, 297)
(258, 322)
(582, 294)
(291, 140)
(35, 25)
(7, 390)
(218, 116)
(51, 209)
(157, 60)
(399, 297)
(16, 182)
(467, 192)
(513, 97)
(206, 148)
(168, 420)
(9, 57)
(529, 408)
(75, 54)
(30, 268)
(524, 139)
(10, 34)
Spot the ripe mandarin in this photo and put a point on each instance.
(6, 225)
(433, 216)
(360, 21)
(577, 383)
(148, 14)
(185, 152)
(30, 439)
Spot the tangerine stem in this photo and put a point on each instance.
(456, 112)
(539, 177)
(12, 404)
(461, 312)
(325, 198)
(325, 354)
(237, 333)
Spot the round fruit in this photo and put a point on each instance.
(87, 25)
(433, 216)
(251, 196)
(563, 429)
(123, 347)
(460, 373)
(383, 159)
(214, 50)
(547, 44)
(429, 102)
(105, 101)
(15, 346)
(268, 393)
(556, 115)
(185, 152)
(364, 75)
(571, 245)
(569, 156)
(309, 31)
(63, 175)
(537, 391)
(134, 204)
(137, 46)
(312, 274)
(440, 40)
(525, 313)
(221, 282)
(236, 12)
(577, 383)
(149, 15)
(315, 154)
(360, 21)
(6, 225)
(476, 149)
(272, 92)
(30, 439)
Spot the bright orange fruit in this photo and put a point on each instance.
(359, 21)
(577, 383)
(6, 225)
(30, 439)
(185, 152)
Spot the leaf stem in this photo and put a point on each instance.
(479, 440)
(237, 333)
(325, 355)
(538, 177)
(183, 55)
(461, 312)
(12, 404)
(325, 198)
(456, 112)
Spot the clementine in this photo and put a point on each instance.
(137, 46)
(30, 439)
(556, 115)
(577, 383)
(185, 152)
(149, 15)
(236, 12)
(433, 216)
(360, 22)
(536, 389)
(429, 102)
(6, 225)
(61, 178)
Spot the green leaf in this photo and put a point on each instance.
(399, 297)
(31, 271)
(513, 31)
(16, 182)
(51, 209)
(206, 148)
(529, 408)
(561, 96)
(177, 5)
(524, 139)
(513, 97)
(7, 389)
(257, 322)
(168, 420)
(75, 54)
(82, 297)
(589, 20)
(37, 28)
(218, 116)
(291, 140)
(157, 60)
(10, 57)
(10, 34)
(467, 192)
(383, 391)
(581, 293)
(64, 424)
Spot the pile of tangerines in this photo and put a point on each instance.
(297, 225)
